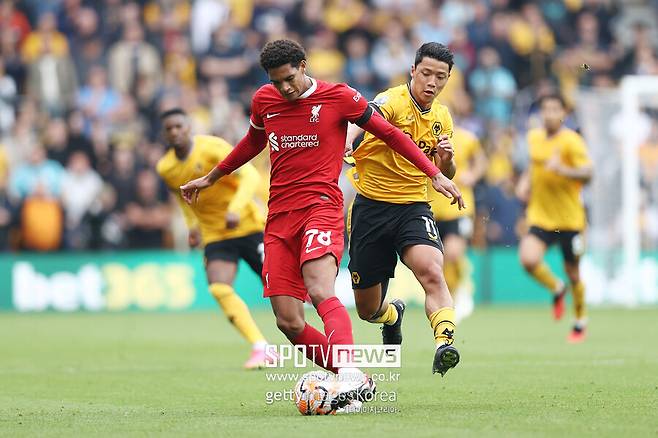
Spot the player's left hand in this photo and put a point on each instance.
(444, 149)
(232, 220)
(447, 188)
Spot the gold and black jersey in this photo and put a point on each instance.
(555, 201)
(381, 173)
(234, 192)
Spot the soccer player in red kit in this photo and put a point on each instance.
(305, 122)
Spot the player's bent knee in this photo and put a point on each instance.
(574, 277)
(430, 273)
(529, 263)
(366, 312)
(290, 327)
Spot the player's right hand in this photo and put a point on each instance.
(194, 238)
(447, 188)
(190, 191)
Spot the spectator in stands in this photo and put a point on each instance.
(322, 53)
(359, 69)
(226, 58)
(81, 186)
(478, 28)
(146, 218)
(42, 219)
(11, 59)
(391, 54)
(341, 16)
(640, 58)
(76, 139)
(38, 173)
(306, 18)
(14, 21)
(7, 98)
(123, 176)
(587, 58)
(504, 213)
(97, 100)
(463, 50)
(132, 58)
(6, 214)
(493, 87)
(52, 80)
(4, 165)
(45, 33)
(207, 17)
(55, 140)
(431, 25)
(87, 43)
(533, 42)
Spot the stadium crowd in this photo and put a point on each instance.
(82, 84)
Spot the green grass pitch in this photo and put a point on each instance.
(180, 375)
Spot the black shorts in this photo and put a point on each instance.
(379, 231)
(571, 243)
(249, 248)
(462, 226)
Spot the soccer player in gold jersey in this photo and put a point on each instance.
(227, 223)
(456, 225)
(552, 185)
(391, 217)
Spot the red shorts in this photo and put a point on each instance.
(295, 237)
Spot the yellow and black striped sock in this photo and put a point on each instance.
(237, 312)
(389, 317)
(443, 324)
(578, 292)
(543, 274)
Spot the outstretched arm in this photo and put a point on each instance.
(400, 143)
(246, 149)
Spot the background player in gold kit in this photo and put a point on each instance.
(552, 185)
(456, 225)
(390, 215)
(227, 223)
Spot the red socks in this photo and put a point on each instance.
(317, 347)
(338, 330)
(337, 323)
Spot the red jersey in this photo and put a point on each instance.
(307, 140)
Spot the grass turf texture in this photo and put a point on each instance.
(180, 375)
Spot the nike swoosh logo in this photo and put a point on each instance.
(269, 116)
(312, 249)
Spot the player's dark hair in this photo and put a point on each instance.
(552, 96)
(173, 112)
(437, 51)
(281, 52)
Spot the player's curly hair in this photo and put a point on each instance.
(281, 52)
(437, 51)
